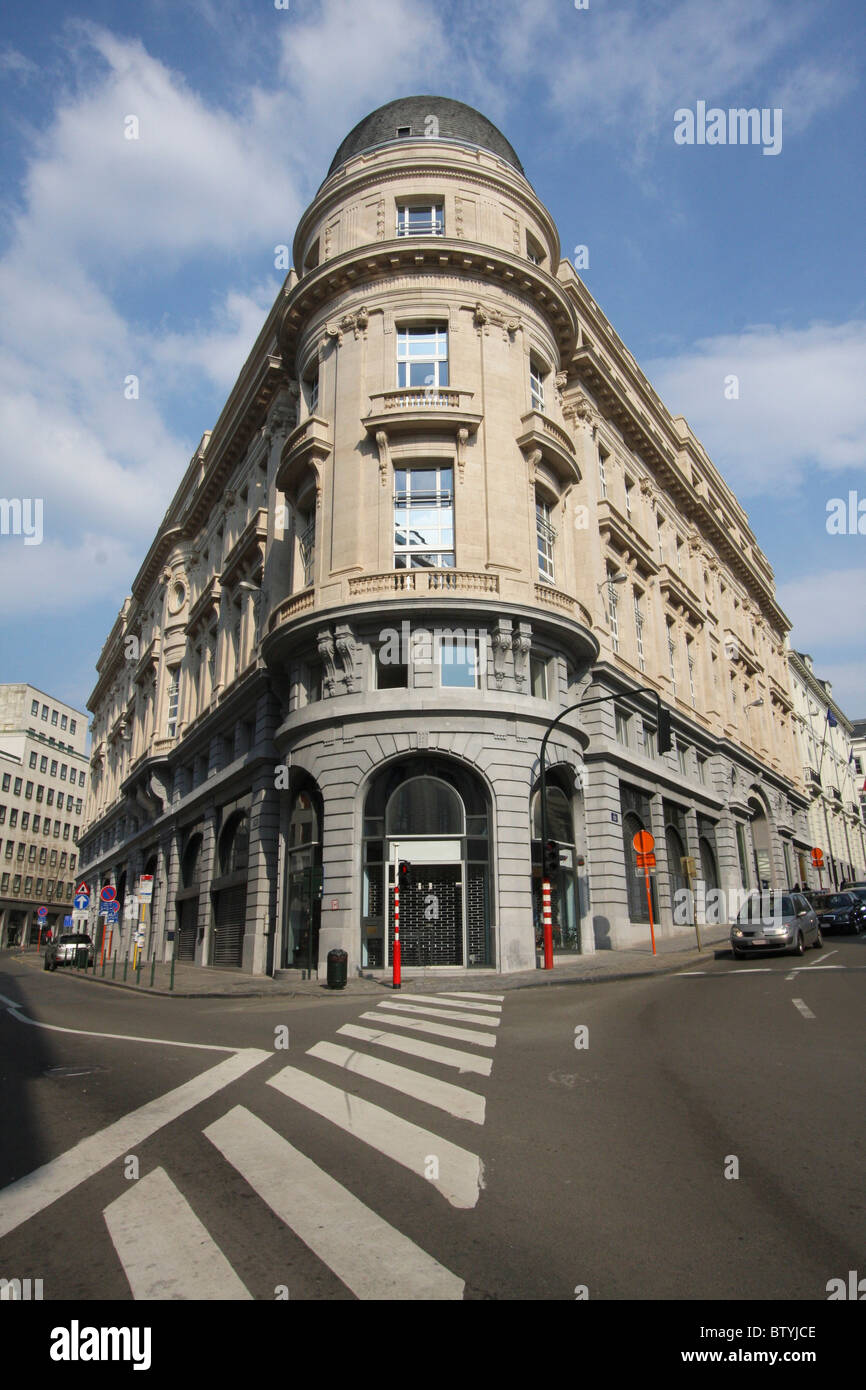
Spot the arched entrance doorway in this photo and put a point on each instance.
(761, 844)
(565, 897)
(433, 815)
(187, 899)
(304, 882)
(230, 892)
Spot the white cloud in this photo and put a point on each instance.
(828, 613)
(221, 349)
(801, 401)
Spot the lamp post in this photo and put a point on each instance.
(664, 746)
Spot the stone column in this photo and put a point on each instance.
(208, 868)
(262, 874)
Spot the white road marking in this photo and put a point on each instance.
(466, 1105)
(484, 1019)
(450, 1003)
(165, 1250)
(471, 994)
(825, 956)
(370, 1257)
(15, 1010)
(804, 1010)
(692, 972)
(440, 1030)
(416, 1047)
(29, 1195)
(459, 1171)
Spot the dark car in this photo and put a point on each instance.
(775, 922)
(839, 911)
(72, 948)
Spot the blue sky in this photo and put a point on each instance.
(156, 257)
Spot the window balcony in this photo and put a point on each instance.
(407, 407)
(425, 581)
(541, 434)
(291, 608)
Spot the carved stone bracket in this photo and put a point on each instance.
(345, 645)
(521, 645)
(581, 412)
(533, 460)
(384, 456)
(325, 644)
(483, 315)
(501, 639)
(462, 440)
(357, 321)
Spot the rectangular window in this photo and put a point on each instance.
(34, 707)
(81, 779)
(40, 884)
(37, 821)
(622, 723)
(602, 471)
(72, 726)
(536, 386)
(7, 781)
(60, 801)
(638, 630)
(613, 621)
(391, 669)
(629, 488)
(683, 757)
(2, 815)
(679, 556)
(650, 741)
(78, 806)
(43, 855)
(16, 884)
(67, 826)
(63, 771)
(458, 663)
(672, 657)
(31, 853)
(702, 768)
(545, 536)
(25, 820)
(420, 219)
(538, 676)
(661, 538)
(45, 713)
(17, 785)
(43, 764)
(28, 885)
(32, 760)
(53, 859)
(54, 717)
(64, 721)
(10, 849)
(173, 701)
(40, 792)
(20, 851)
(422, 357)
(4, 884)
(53, 767)
(49, 799)
(28, 791)
(423, 518)
(691, 663)
(313, 387)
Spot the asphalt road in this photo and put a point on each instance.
(424, 1155)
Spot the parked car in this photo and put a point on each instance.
(839, 911)
(775, 922)
(65, 950)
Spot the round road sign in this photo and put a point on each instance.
(643, 842)
(108, 893)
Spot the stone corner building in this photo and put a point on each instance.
(441, 504)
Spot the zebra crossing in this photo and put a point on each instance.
(165, 1249)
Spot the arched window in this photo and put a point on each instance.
(559, 821)
(424, 806)
(190, 869)
(234, 844)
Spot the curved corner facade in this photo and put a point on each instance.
(441, 505)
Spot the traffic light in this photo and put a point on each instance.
(665, 741)
(550, 859)
(404, 874)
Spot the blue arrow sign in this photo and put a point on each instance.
(81, 901)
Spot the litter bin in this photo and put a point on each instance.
(337, 966)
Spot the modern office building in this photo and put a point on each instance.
(442, 504)
(43, 776)
(829, 753)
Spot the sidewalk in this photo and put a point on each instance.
(673, 953)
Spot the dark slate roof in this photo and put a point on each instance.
(456, 121)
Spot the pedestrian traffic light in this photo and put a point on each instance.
(665, 741)
(550, 859)
(404, 874)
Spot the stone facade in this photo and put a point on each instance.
(391, 565)
(828, 751)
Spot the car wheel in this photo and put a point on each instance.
(801, 945)
(819, 940)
